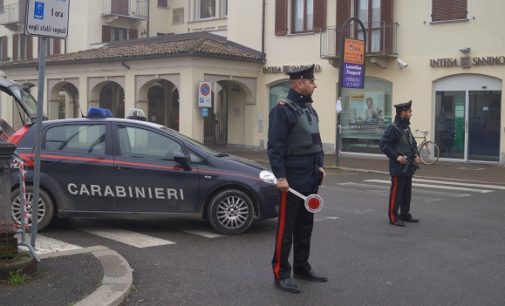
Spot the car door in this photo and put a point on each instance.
(145, 170)
(75, 157)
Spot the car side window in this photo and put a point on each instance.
(76, 138)
(142, 143)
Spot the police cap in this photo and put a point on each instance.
(405, 106)
(302, 73)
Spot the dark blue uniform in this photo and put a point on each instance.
(302, 173)
(393, 146)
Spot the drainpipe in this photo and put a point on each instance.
(148, 17)
(263, 29)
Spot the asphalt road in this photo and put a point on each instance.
(455, 256)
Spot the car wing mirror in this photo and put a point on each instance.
(182, 160)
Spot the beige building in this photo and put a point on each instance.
(448, 58)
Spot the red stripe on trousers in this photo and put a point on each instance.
(280, 234)
(392, 200)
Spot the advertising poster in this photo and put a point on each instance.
(367, 107)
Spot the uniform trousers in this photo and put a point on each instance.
(294, 227)
(399, 197)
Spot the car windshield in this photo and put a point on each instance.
(196, 143)
(27, 101)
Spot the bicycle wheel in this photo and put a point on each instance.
(429, 153)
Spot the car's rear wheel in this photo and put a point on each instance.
(45, 207)
(230, 212)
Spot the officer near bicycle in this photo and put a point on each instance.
(296, 158)
(400, 146)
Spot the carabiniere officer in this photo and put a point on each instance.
(296, 158)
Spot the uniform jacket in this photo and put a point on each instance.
(301, 171)
(389, 144)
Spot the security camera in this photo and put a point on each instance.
(465, 50)
(401, 63)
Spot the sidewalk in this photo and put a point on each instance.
(491, 173)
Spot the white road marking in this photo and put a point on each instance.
(460, 184)
(384, 190)
(127, 237)
(205, 234)
(436, 186)
(46, 245)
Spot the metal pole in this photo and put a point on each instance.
(340, 76)
(38, 139)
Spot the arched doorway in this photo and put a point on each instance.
(163, 103)
(112, 97)
(468, 117)
(64, 101)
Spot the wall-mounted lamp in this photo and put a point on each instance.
(401, 63)
(465, 50)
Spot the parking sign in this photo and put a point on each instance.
(47, 18)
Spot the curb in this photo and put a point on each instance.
(117, 279)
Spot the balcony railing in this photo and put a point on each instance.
(136, 9)
(381, 39)
(13, 14)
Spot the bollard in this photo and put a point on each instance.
(8, 242)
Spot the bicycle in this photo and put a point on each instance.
(428, 150)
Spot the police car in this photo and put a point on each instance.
(100, 166)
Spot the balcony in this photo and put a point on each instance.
(381, 41)
(13, 15)
(135, 10)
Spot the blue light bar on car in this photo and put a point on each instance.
(96, 113)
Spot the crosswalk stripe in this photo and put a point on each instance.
(436, 186)
(459, 184)
(127, 237)
(203, 233)
(45, 245)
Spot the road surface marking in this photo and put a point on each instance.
(436, 186)
(205, 234)
(459, 184)
(127, 237)
(46, 245)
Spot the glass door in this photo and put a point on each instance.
(484, 125)
(450, 123)
(467, 124)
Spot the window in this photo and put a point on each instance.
(205, 9)
(141, 143)
(53, 46)
(118, 34)
(303, 16)
(178, 16)
(22, 47)
(162, 3)
(3, 48)
(442, 10)
(306, 16)
(83, 138)
(277, 92)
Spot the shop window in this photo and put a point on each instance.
(277, 92)
(366, 113)
(306, 16)
(443, 10)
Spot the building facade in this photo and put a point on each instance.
(446, 56)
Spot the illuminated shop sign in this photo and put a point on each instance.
(288, 68)
(467, 61)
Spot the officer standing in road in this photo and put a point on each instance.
(296, 158)
(400, 147)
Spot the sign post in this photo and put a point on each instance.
(204, 97)
(44, 18)
(351, 71)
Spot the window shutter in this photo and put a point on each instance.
(133, 34)
(29, 47)
(343, 13)
(319, 15)
(56, 46)
(387, 19)
(459, 9)
(15, 42)
(281, 17)
(106, 33)
(440, 10)
(4, 48)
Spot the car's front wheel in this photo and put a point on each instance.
(230, 212)
(45, 208)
